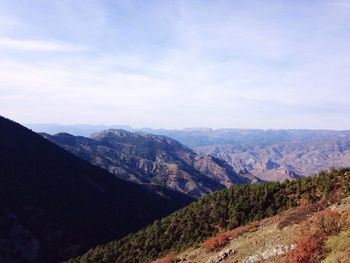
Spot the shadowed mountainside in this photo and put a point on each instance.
(54, 205)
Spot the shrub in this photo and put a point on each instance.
(298, 214)
(216, 243)
(170, 258)
(310, 244)
(308, 249)
(330, 222)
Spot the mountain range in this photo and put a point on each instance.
(152, 159)
(265, 154)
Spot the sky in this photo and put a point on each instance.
(176, 64)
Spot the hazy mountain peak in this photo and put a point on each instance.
(112, 132)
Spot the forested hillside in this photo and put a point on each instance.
(222, 210)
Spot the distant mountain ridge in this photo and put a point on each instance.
(274, 154)
(75, 129)
(152, 159)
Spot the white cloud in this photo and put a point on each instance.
(38, 45)
(268, 66)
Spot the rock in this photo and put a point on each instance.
(251, 259)
(275, 251)
(221, 256)
(270, 253)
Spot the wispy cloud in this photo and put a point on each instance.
(341, 3)
(178, 63)
(38, 45)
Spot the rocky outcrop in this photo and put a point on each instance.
(221, 256)
(272, 252)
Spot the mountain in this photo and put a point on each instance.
(266, 154)
(199, 137)
(152, 159)
(54, 205)
(270, 154)
(228, 210)
(284, 160)
(75, 129)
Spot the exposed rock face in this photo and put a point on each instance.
(270, 253)
(152, 159)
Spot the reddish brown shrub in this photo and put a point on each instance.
(330, 222)
(221, 240)
(243, 229)
(216, 243)
(308, 250)
(310, 241)
(170, 258)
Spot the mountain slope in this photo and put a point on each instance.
(222, 210)
(54, 205)
(286, 160)
(152, 159)
(303, 234)
(270, 154)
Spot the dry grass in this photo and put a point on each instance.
(170, 258)
(300, 213)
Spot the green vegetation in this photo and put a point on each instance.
(338, 247)
(222, 210)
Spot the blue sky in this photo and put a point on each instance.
(176, 64)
